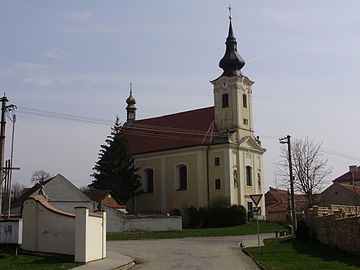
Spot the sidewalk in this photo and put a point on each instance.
(112, 261)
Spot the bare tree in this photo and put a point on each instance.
(16, 190)
(39, 176)
(310, 169)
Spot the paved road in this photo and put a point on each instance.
(206, 253)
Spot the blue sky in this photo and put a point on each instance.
(78, 58)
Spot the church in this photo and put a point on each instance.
(200, 157)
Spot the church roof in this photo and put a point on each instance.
(184, 129)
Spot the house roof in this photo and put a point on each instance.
(99, 195)
(348, 176)
(56, 188)
(354, 189)
(278, 200)
(184, 129)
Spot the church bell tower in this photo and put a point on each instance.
(233, 93)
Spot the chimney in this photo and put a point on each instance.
(353, 168)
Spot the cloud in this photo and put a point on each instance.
(41, 81)
(28, 66)
(81, 15)
(52, 53)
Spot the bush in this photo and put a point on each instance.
(304, 232)
(219, 216)
(175, 212)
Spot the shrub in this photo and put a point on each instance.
(175, 212)
(304, 232)
(219, 216)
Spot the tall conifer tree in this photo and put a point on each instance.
(115, 168)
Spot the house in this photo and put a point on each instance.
(202, 156)
(277, 205)
(350, 177)
(340, 194)
(60, 193)
(105, 198)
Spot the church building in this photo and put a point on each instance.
(204, 156)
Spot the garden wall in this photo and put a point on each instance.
(336, 226)
(49, 230)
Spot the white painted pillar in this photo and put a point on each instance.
(81, 227)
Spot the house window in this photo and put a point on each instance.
(217, 184)
(248, 176)
(217, 161)
(182, 177)
(225, 100)
(244, 101)
(148, 181)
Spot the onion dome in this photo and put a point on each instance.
(232, 62)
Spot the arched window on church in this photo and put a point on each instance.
(244, 101)
(248, 176)
(148, 181)
(181, 171)
(259, 180)
(225, 100)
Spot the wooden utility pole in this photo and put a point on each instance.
(292, 196)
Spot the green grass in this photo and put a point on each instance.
(293, 254)
(250, 228)
(9, 261)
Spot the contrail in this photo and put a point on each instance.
(263, 56)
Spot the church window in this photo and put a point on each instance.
(182, 177)
(217, 161)
(225, 100)
(245, 121)
(244, 101)
(217, 184)
(248, 176)
(148, 184)
(259, 180)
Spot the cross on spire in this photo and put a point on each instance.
(130, 89)
(229, 8)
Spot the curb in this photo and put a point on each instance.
(127, 266)
(257, 263)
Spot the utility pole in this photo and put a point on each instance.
(4, 100)
(286, 140)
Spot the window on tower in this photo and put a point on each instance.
(225, 100)
(244, 101)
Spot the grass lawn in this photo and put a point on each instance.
(292, 254)
(250, 228)
(9, 261)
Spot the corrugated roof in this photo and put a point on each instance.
(184, 129)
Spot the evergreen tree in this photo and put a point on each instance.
(115, 168)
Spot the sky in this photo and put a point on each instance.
(67, 66)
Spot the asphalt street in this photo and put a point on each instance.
(205, 253)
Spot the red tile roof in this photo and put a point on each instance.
(278, 200)
(354, 189)
(115, 205)
(184, 129)
(347, 177)
(97, 195)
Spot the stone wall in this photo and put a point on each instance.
(337, 226)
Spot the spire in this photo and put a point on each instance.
(232, 62)
(130, 108)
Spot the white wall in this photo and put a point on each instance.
(50, 230)
(152, 224)
(47, 231)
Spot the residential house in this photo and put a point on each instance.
(340, 194)
(351, 177)
(277, 205)
(103, 199)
